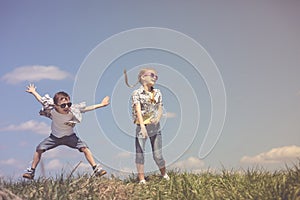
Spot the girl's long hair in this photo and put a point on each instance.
(126, 80)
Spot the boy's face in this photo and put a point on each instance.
(150, 77)
(63, 106)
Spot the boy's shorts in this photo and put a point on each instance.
(71, 141)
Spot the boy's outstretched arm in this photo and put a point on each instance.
(105, 102)
(32, 89)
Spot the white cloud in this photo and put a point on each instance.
(54, 164)
(34, 73)
(190, 164)
(54, 153)
(275, 155)
(10, 162)
(62, 152)
(59, 166)
(31, 125)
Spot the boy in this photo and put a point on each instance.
(64, 117)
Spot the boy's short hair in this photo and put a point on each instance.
(59, 96)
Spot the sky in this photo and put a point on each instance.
(228, 72)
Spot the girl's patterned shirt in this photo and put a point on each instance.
(150, 103)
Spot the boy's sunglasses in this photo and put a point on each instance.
(152, 75)
(65, 104)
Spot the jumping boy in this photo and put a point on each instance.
(64, 117)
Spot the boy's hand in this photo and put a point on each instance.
(105, 101)
(31, 88)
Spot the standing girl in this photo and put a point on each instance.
(147, 111)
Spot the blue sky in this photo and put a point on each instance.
(254, 45)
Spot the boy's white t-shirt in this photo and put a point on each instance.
(58, 126)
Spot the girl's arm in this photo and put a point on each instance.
(104, 103)
(160, 112)
(140, 119)
(32, 89)
(159, 115)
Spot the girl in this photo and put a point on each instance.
(147, 111)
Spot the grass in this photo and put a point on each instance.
(248, 184)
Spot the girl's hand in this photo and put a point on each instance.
(31, 88)
(154, 121)
(144, 132)
(105, 101)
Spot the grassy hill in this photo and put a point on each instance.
(247, 184)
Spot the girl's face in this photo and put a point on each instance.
(150, 77)
(63, 106)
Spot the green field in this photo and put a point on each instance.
(245, 184)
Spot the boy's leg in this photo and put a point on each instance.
(36, 158)
(48, 143)
(75, 142)
(29, 174)
(88, 155)
(98, 171)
